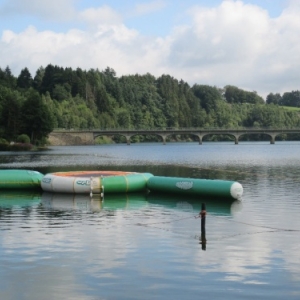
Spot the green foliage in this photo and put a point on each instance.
(209, 97)
(10, 112)
(236, 95)
(7, 79)
(24, 81)
(101, 140)
(3, 141)
(290, 99)
(4, 145)
(74, 98)
(274, 98)
(38, 78)
(23, 138)
(291, 108)
(37, 120)
(271, 116)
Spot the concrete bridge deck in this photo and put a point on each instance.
(87, 137)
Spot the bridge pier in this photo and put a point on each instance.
(236, 138)
(164, 138)
(128, 139)
(272, 141)
(200, 139)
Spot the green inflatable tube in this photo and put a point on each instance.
(20, 179)
(193, 186)
(125, 184)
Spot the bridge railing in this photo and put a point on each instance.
(177, 129)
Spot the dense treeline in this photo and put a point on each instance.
(59, 97)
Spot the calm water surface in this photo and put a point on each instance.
(139, 246)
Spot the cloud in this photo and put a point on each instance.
(100, 15)
(237, 43)
(233, 43)
(110, 45)
(149, 7)
(49, 10)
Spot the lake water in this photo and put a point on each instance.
(138, 246)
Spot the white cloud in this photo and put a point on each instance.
(233, 43)
(149, 7)
(111, 45)
(100, 15)
(238, 44)
(49, 10)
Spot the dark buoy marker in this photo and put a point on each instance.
(202, 215)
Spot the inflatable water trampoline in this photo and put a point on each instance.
(95, 182)
(109, 182)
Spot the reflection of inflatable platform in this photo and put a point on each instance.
(190, 203)
(135, 201)
(63, 201)
(112, 202)
(19, 198)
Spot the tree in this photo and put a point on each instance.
(236, 95)
(168, 90)
(291, 99)
(209, 96)
(37, 121)
(273, 98)
(60, 92)
(7, 79)
(24, 80)
(48, 81)
(38, 78)
(10, 112)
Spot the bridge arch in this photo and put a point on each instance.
(272, 136)
(190, 135)
(117, 136)
(235, 136)
(148, 137)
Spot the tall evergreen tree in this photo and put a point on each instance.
(24, 80)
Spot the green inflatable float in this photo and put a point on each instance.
(20, 179)
(193, 186)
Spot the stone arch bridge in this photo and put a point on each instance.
(87, 137)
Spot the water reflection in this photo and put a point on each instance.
(20, 198)
(81, 202)
(60, 201)
(217, 206)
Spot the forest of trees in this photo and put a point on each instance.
(59, 97)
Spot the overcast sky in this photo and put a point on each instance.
(252, 44)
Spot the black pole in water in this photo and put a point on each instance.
(203, 232)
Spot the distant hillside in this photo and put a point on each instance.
(59, 97)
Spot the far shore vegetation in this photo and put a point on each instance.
(56, 97)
